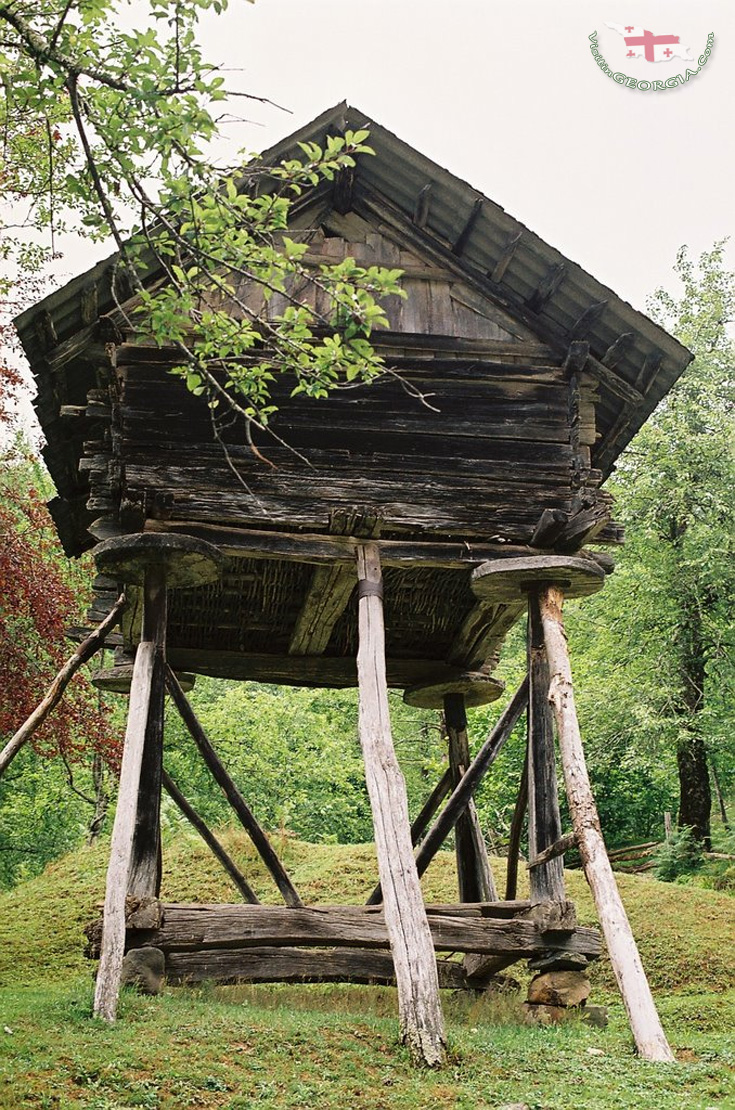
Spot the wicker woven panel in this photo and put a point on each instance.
(423, 610)
(253, 609)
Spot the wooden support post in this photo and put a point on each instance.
(209, 839)
(421, 1019)
(144, 880)
(648, 1033)
(516, 831)
(121, 847)
(466, 788)
(474, 876)
(544, 820)
(430, 806)
(233, 795)
(83, 654)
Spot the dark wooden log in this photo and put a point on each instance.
(464, 235)
(465, 790)
(298, 965)
(342, 193)
(87, 648)
(618, 350)
(246, 543)
(121, 847)
(589, 319)
(422, 206)
(613, 382)
(210, 839)
(647, 1031)
(506, 257)
(474, 875)
(421, 1019)
(546, 288)
(551, 524)
(193, 927)
(544, 820)
(233, 795)
(144, 880)
(482, 632)
(330, 590)
(326, 600)
(564, 844)
(304, 670)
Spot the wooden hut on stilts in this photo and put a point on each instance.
(396, 548)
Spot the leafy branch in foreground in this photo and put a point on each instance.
(203, 248)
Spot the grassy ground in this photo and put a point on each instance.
(335, 1046)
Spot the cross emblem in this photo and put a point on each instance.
(648, 40)
(630, 30)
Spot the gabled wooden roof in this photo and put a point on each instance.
(440, 218)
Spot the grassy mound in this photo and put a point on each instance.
(686, 935)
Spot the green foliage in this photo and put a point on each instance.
(295, 755)
(678, 856)
(130, 116)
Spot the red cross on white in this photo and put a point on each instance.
(653, 48)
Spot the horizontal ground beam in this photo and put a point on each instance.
(297, 965)
(193, 927)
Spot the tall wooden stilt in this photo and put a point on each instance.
(135, 864)
(474, 875)
(648, 1033)
(121, 847)
(544, 820)
(145, 865)
(422, 1022)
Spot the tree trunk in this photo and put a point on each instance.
(544, 820)
(695, 797)
(421, 1019)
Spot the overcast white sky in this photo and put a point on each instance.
(508, 96)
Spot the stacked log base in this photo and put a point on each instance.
(228, 943)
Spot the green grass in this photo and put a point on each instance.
(336, 1046)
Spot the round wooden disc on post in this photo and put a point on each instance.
(507, 580)
(185, 561)
(478, 689)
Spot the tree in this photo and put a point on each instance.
(675, 485)
(134, 114)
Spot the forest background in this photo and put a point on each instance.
(652, 654)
